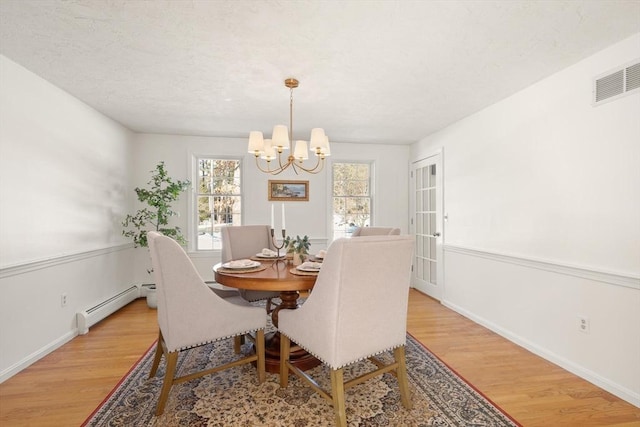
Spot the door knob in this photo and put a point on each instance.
(436, 234)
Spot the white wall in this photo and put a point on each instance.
(64, 185)
(311, 218)
(542, 192)
(66, 179)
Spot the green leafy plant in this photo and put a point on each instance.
(162, 193)
(298, 245)
(288, 244)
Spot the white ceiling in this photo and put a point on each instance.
(369, 71)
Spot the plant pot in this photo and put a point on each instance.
(297, 259)
(152, 298)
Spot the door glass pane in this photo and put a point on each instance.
(432, 175)
(425, 247)
(425, 224)
(432, 248)
(432, 223)
(432, 273)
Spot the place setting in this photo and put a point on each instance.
(319, 257)
(267, 254)
(307, 268)
(241, 266)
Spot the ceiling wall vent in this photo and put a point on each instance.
(616, 83)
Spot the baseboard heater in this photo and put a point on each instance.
(93, 315)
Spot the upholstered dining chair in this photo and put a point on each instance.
(245, 241)
(191, 315)
(375, 231)
(358, 309)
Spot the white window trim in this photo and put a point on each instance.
(192, 221)
(372, 192)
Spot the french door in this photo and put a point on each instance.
(427, 226)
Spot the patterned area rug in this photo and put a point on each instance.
(234, 397)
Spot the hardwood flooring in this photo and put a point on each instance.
(64, 387)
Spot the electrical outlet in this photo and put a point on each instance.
(583, 324)
(63, 300)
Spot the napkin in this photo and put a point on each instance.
(322, 253)
(240, 263)
(310, 265)
(269, 252)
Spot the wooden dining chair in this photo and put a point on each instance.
(358, 309)
(245, 241)
(375, 231)
(191, 315)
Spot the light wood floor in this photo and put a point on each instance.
(63, 388)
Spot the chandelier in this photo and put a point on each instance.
(267, 151)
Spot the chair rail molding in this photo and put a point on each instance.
(619, 279)
(14, 270)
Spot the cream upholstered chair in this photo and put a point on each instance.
(245, 241)
(358, 308)
(375, 231)
(190, 315)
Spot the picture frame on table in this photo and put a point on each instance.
(288, 191)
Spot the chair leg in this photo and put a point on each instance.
(401, 372)
(337, 393)
(260, 353)
(157, 357)
(172, 361)
(237, 343)
(285, 346)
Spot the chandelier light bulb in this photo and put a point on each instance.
(268, 153)
(256, 142)
(280, 138)
(301, 153)
(318, 139)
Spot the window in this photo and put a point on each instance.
(351, 197)
(218, 200)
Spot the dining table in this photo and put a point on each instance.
(273, 275)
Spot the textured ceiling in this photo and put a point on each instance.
(369, 71)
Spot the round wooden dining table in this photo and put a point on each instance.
(274, 275)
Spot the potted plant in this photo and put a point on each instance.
(299, 247)
(162, 193)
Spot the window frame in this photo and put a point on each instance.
(194, 194)
(371, 165)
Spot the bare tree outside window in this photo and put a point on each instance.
(219, 199)
(351, 197)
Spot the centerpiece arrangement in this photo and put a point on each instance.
(298, 248)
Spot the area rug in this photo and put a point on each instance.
(235, 398)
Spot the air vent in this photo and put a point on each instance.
(633, 77)
(616, 83)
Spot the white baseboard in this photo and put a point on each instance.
(37, 355)
(613, 388)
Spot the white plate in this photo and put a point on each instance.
(249, 264)
(261, 255)
(307, 269)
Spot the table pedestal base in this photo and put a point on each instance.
(298, 357)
